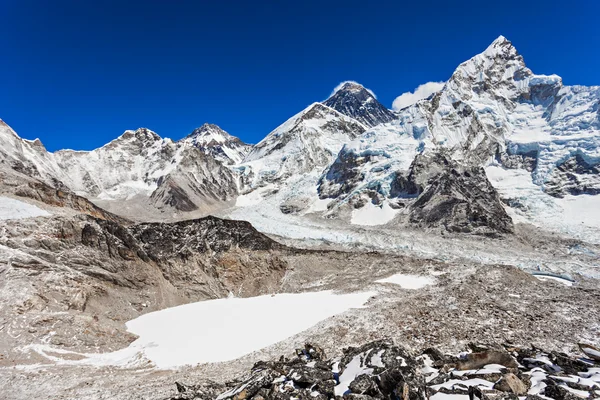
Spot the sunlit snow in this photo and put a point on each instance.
(219, 330)
(216, 330)
(15, 209)
(408, 281)
(370, 214)
(544, 278)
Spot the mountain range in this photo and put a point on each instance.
(496, 145)
(463, 228)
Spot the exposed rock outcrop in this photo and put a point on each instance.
(382, 370)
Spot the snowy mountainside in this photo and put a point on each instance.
(142, 167)
(524, 143)
(492, 111)
(213, 140)
(139, 168)
(305, 143)
(28, 157)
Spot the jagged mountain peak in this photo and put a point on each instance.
(500, 42)
(500, 54)
(140, 136)
(210, 132)
(355, 101)
(213, 140)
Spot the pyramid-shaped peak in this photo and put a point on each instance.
(354, 100)
(500, 46)
(207, 129)
(209, 132)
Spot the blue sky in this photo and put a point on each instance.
(77, 74)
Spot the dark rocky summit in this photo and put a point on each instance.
(162, 241)
(357, 102)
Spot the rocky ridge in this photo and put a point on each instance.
(383, 370)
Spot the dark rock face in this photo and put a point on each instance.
(461, 200)
(382, 370)
(575, 176)
(526, 161)
(458, 198)
(198, 181)
(342, 176)
(209, 234)
(357, 102)
(204, 258)
(171, 194)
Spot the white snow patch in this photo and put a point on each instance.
(16, 209)
(376, 360)
(355, 368)
(250, 199)
(457, 383)
(544, 278)
(408, 281)
(591, 352)
(577, 216)
(213, 330)
(446, 396)
(370, 214)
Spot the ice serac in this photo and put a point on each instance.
(493, 110)
(353, 100)
(214, 141)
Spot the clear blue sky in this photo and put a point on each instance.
(78, 73)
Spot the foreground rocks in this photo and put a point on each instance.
(383, 370)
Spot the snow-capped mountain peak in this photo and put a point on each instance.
(213, 140)
(135, 139)
(355, 101)
(304, 144)
(208, 133)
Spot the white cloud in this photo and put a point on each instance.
(338, 87)
(422, 92)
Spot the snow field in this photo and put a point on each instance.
(217, 330)
(16, 209)
(408, 281)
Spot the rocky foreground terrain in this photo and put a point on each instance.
(71, 282)
(382, 370)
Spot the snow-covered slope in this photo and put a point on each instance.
(304, 144)
(492, 111)
(214, 141)
(138, 169)
(425, 164)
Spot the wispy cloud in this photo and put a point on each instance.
(422, 92)
(338, 87)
